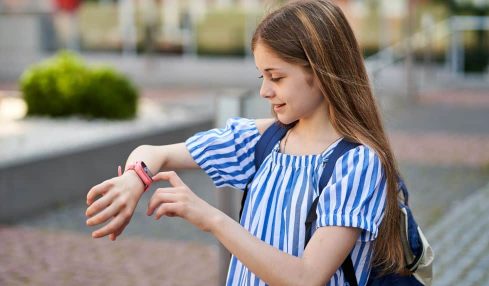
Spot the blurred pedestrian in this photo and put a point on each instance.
(150, 23)
(66, 19)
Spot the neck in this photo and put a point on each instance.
(316, 128)
(311, 135)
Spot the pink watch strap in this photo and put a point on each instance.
(138, 168)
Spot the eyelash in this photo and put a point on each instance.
(272, 79)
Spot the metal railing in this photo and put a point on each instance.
(397, 52)
(430, 32)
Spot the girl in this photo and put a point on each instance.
(314, 76)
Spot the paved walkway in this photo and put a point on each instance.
(33, 256)
(442, 146)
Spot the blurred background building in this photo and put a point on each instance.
(219, 26)
(224, 27)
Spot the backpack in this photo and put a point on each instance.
(418, 254)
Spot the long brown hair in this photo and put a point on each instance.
(316, 34)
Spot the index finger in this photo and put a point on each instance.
(98, 190)
(171, 177)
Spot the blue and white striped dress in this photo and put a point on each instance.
(284, 188)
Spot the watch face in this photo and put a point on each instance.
(146, 170)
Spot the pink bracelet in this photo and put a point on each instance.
(142, 171)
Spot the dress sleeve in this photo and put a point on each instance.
(227, 155)
(355, 194)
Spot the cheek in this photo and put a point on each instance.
(304, 97)
(308, 104)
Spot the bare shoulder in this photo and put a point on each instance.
(263, 124)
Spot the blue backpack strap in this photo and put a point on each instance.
(340, 149)
(401, 187)
(413, 236)
(414, 243)
(263, 147)
(268, 140)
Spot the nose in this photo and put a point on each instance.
(266, 90)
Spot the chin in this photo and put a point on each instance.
(285, 120)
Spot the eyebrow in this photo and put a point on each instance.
(270, 69)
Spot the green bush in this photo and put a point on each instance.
(64, 86)
(109, 95)
(54, 86)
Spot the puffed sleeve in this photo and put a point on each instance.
(227, 154)
(355, 194)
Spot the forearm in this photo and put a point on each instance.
(149, 155)
(168, 157)
(324, 254)
(273, 266)
(120, 195)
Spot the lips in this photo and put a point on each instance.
(277, 107)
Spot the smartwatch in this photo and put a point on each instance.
(142, 171)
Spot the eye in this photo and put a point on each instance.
(275, 79)
(260, 76)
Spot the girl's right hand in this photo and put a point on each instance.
(114, 200)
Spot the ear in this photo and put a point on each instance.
(316, 84)
(318, 87)
(310, 77)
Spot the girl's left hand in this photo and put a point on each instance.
(180, 201)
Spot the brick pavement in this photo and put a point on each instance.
(441, 148)
(457, 97)
(31, 256)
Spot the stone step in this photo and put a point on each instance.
(450, 222)
(461, 242)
